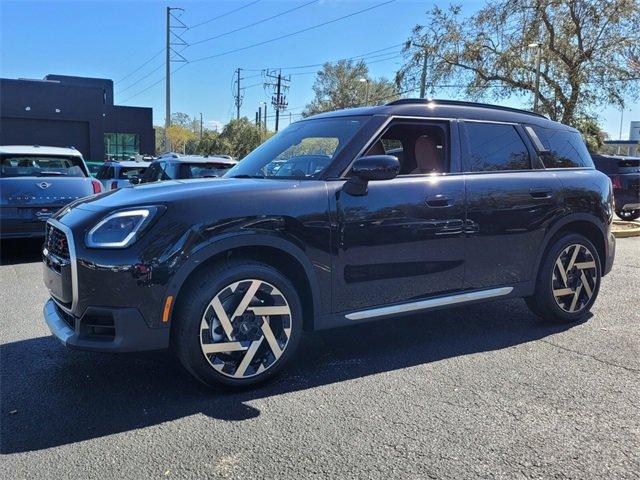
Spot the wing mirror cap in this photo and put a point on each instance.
(376, 167)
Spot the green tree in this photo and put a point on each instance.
(160, 147)
(339, 85)
(591, 132)
(240, 136)
(179, 136)
(213, 144)
(588, 49)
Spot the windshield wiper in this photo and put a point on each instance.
(247, 176)
(51, 174)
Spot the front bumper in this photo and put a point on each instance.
(610, 249)
(114, 330)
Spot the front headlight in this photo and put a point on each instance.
(120, 229)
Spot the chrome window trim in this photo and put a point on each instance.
(72, 260)
(429, 303)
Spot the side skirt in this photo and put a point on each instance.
(341, 319)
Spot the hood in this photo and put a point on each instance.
(185, 191)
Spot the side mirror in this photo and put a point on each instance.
(135, 180)
(372, 167)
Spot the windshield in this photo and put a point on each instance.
(41, 166)
(303, 150)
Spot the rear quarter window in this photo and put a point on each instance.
(564, 148)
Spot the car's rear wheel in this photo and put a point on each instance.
(628, 215)
(568, 280)
(237, 324)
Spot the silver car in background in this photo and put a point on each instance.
(114, 175)
(37, 181)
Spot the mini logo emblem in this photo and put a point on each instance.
(43, 185)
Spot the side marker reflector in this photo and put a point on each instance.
(167, 309)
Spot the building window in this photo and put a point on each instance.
(121, 146)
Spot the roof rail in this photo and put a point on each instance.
(410, 101)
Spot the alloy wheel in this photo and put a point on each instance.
(245, 328)
(574, 278)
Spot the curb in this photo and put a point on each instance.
(626, 232)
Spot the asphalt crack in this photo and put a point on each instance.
(593, 357)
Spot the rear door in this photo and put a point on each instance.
(511, 200)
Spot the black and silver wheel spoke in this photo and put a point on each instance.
(245, 328)
(574, 278)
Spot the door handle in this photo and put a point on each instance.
(439, 201)
(540, 192)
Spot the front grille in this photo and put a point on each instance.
(56, 242)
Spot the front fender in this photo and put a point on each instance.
(238, 240)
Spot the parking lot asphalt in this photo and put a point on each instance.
(482, 391)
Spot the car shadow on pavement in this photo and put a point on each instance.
(51, 396)
(23, 250)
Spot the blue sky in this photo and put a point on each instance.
(113, 39)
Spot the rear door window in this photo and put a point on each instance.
(105, 173)
(127, 173)
(563, 148)
(495, 147)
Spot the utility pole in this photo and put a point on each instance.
(256, 119)
(259, 122)
(279, 100)
(167, 75)
(238, 96)
(200, 126)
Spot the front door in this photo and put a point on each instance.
(404, 238)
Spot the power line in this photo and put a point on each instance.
(159, 52)
(297, 32)
(223, 15)
(156, 55)
(254, 23)
(313, 27)
(153, 84)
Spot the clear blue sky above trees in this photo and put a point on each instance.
(111, 39)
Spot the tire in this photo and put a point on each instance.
(261, 337)
(560, 294)
(628, 215)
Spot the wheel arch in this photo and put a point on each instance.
(274, 251)
(584, 224)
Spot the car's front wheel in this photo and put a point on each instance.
(628, 215)
(237, 324)
(568, 280)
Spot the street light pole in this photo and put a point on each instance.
(536, 98)
(366, 91)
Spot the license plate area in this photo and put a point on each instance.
(42, 214)
(57, 277)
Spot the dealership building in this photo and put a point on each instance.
(64, 111)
